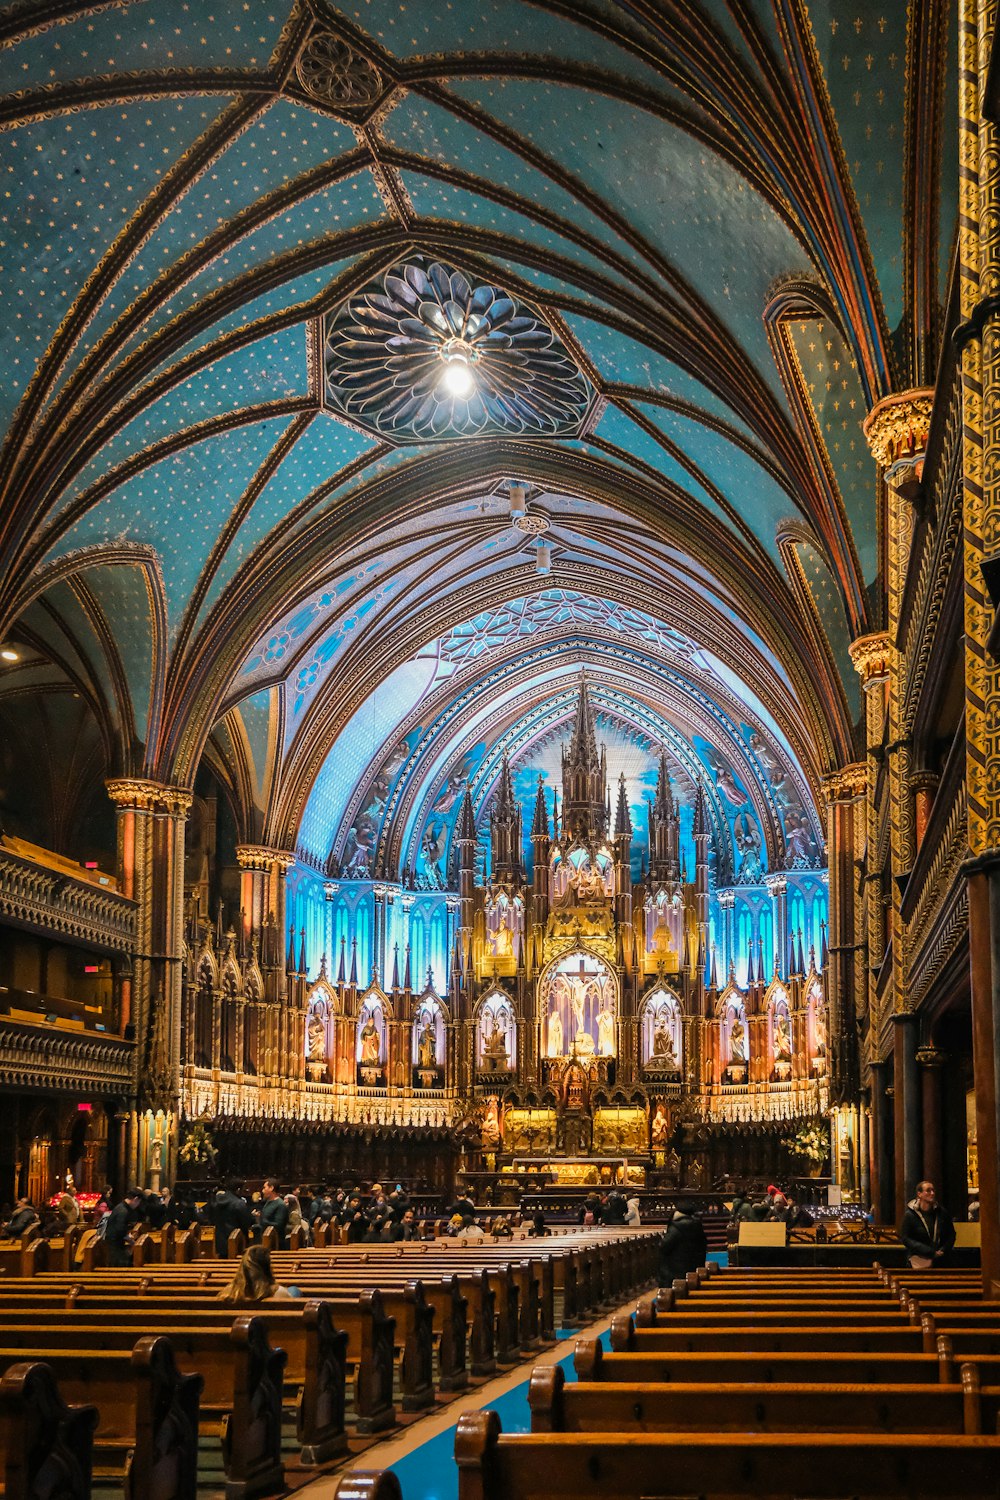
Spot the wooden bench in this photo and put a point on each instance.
(43, 1442)
(653, 1406)
(596, 1466)
(315, 1351)
(761, 1367)
(146, 1414)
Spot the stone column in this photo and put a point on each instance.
(727, 905)
(931, 1063)
(845, 792)
(150, 831)
(979, 342)
(883, 1182)
(864, 1155)
(923, 785)
(906, 1110)
(777, 889)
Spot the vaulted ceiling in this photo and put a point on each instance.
(684, 248)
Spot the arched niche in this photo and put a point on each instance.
(427, 1043)
(779, 1034)
(371, 1040)
(578, 1007)
(496, 1033)
(661, 1037)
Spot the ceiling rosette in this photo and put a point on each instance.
(387, 348)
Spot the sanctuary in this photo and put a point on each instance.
(589, 1012)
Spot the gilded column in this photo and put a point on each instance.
(979, 336)
(150, 834)
(845, 793)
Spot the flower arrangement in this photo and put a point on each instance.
(812, 1142)
(197, 1149)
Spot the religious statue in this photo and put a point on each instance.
(317, 1038)
(576, 1001)
(819, 1030)
(660, 1126)
(591, 883)
(427, 1046)
(501, 941)
(606, 1030)
(555, 1034)
(371, 1044)
(496, 1043)
(738, 1045)
(782, 1039)
(490, 1132)
(663, 1045)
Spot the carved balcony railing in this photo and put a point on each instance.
(38, 1056)
(74, 908)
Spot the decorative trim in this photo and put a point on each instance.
(47, 901)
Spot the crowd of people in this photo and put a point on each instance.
(376, 1215)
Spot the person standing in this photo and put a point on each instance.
(273, 1212)
(927, 1230)
(683, 1247)
(120, 1221)
(229, 1212)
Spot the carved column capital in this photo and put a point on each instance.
(931, 1057)
(896, 429)
(872, 657)
(149, 796)
(847, 784)
(261, 857)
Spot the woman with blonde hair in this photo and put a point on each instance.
(254, 1280)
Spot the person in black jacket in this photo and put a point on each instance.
(120, 1221)
(229, 1212)
(927, 1229)
(21, 1220)
(683, 1247)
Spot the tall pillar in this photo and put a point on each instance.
(727, 905)
(882, 1179)
(864, 1155)
(150, 837)
(262, 894)
(979, 341)
(845, 792)
(931, 1063)
(777, 889)
(906, 1110)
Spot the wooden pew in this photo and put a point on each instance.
(317, 1351)
(762, 1367)
(558, 1406)
(46, 1447)
(598, 1466)
(146, 1412)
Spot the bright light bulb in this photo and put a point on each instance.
(9, 654)
(516, 501)
(458, 379)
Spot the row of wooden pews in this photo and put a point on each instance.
(155, 1356)
(758, 1382)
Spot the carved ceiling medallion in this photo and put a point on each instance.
(332, 73)
(388, 351)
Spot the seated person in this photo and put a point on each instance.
(254, 1280)
(21, 1220)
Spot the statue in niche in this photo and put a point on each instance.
(819, 1030)
(427, 1046)
(738, 1045)
(371, 1044)
(591, 883)
(501, 939)
(782, 1039)
(747, 840)
(577, 1000)
(490, 1131)
(606, 1030)
(317, 1038)
(555, 1034)
(660, 1128)
(496, 1043)
(570, 893)
(663, 1045)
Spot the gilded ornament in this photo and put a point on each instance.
(872, 657)
(896, 429)
(332, 73)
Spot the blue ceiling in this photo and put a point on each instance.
(238, 245)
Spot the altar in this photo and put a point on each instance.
(579, 1171)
